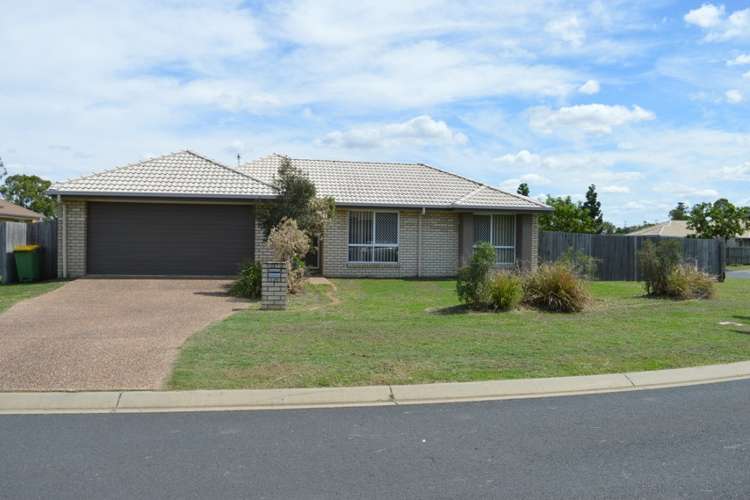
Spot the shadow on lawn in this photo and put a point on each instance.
(446, 311)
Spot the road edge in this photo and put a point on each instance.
(380, 395)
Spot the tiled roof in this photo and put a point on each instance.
(393, 184)
(675, 228)
(10, 210)
(178, 174)
(187, 174)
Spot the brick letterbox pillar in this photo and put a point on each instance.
(274, 290)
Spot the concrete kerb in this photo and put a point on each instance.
(383, 395)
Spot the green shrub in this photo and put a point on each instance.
(656, 264)
(687, 282)
(472, 283)
(505, 291)
(555, 288)
(248, 283)
(581, 263)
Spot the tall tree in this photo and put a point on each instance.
(523, 189)
(567, 216)
(296, 200)
(29, 191)
(720, 219)
(3, 170)
(680, 212)
(593, 206)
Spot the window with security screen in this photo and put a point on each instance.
(500, 231)
(373, 236)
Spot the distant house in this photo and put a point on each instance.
(679, 229)
(10, 212)
(183, 214)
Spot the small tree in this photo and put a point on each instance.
(720, 219)
(296, 200)
(567, 216)
(657, 262)
(290, 244)
(523, 189)
(29, 191)
(593, 206)
(680, 212)
(472, 285)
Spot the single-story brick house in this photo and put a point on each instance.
(184, 214)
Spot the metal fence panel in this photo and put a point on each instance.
(617, 255)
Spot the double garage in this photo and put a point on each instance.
(168, 239)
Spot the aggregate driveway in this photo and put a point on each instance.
(106, 333)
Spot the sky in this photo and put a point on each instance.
(649, 100)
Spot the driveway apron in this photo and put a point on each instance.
(106, 333)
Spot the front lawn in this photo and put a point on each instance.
(10, 294)
(403, 331)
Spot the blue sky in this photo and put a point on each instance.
(649, 100)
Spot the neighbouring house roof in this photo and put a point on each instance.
(675, 228)
(181, 174)
(350, 183)
(393, 184)
(11, 211)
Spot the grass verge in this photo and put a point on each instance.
(10, 294)
(403, 331)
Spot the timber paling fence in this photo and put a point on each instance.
(738, 256)
(13, 234)
(617, 255)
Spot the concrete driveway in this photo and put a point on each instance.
(106, 333)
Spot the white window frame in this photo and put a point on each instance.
(374, 245)
(502, 247)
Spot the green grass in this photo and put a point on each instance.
(739, 267)
(10, 294)
(401, 331)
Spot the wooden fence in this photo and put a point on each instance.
(617, 256)
(738, 256)
(13, 234)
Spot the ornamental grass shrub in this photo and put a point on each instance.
(555, 288)
(687, 282)
(657, 262)
(248, 283)
(505, 291)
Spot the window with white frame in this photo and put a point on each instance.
(373, 236)
(500, 231)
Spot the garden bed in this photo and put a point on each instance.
(410, 331)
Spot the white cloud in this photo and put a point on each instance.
(684, 191)
(589, 118)
(746, 75)
(719, 27)
(615, 189)
(421, 130)
(523, 157)
(706, 16)
(590, 87)
(734, 96)
(568, 29)
(739, 172)
(739, 60)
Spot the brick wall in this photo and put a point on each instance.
(262, 250)
(75, 224)
(439, 256)
(274, 286)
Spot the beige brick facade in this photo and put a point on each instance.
(73, 225)
(438, 256)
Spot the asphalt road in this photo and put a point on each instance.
(739, 274)
(687, 442)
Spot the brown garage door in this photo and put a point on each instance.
(168, 239)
